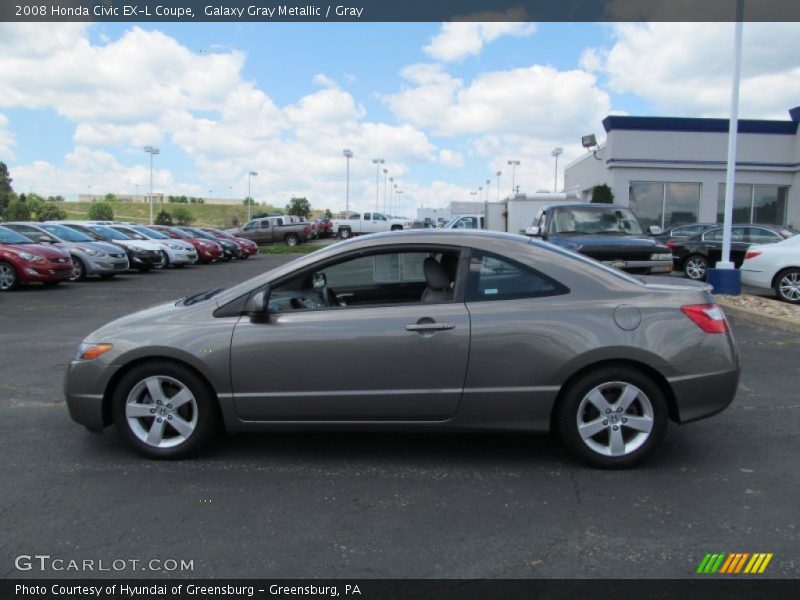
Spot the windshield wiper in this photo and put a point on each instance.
(189, 300)
(571, 232)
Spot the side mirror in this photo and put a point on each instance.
(257, 305)
(656, 230)
(533, 231)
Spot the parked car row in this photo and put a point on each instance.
(57, 251)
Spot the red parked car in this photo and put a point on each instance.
(24, 261)
(207, 250)
(248, 247)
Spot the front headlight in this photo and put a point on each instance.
(174, 246)
(89, 251)
(664, 256)
(30, 257)
(91, 351)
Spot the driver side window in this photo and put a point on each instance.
(379, 279)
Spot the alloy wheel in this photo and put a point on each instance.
(696, 268)
(615, 418)
(8, 278)
(77, 269)
(161, 411)
(789, 287)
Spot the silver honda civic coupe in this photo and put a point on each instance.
(426, 330)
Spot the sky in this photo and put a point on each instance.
(446, 105)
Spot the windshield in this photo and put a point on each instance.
(109, 233)
(65, 233)
(130, 233)
(451, 222)
(151, 233)
(593, 221)
(12, 237)
(220, 233)
(200, 233)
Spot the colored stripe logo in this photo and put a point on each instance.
(734, 563)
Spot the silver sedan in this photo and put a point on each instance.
(427, 330)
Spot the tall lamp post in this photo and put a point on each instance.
(514, 164)
(498, 184)
(152, 151)
(392, 185)
(556, 153)
(378, 162)
(348, 154)
(250, 175)
(398, 192)
(385, 175)
(488, 183)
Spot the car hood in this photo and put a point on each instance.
(49, 252)
(106, 247)
(139, 244)
(601, 243)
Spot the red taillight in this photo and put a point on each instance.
(671, 244)
(752, 254)
(306, 230)
(708, 317)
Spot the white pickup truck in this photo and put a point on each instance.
(368, 222)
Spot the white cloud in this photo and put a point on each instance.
(323, 80)
(538, 100)
(458, 40)
(450, 158)
(686, 68)
(7, 139)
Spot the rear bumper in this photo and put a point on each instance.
(698, 397)
(759, 279)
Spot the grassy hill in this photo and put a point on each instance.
(211, 215)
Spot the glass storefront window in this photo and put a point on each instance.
(755, 204)
(664, 204)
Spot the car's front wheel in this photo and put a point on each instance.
(8, 276)
(164, 410)
(787, 286)
(78, 269)
(696, 267)
(612, 417)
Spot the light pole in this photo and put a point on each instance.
(152, 151)
(250, 175)
(135, 191)
(498, 185)
(488, 183)
(230, 194)
(391, 194)
(348, 154)
(480, 192)
(556, 153)
(385, 173)
(398, 192)
(514, 164)
(378, 162)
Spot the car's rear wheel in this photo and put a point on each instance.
(787, 286)
(292, 240)
(164, 410)
(345, 233)
(696, 267)
(78, 269)
(8, 277)
(612, 417)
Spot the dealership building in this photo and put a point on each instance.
(672, 170)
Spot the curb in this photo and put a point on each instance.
(759, 318)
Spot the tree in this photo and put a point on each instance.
(34, 202)
(182, 215)
(110, 197)
(17, 211)
(602, 194)
(50, 211)
(6, 191)
(163, 218)
(58, 198)
(328, 213)
(299, 207)
(249, 201)
(100, 211)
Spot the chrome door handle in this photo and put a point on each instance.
(430, 326)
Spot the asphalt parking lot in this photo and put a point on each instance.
(378, 505)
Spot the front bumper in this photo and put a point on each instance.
(46, 271)
(105, 264)
(652, 266)
(85, 382)
(182, 257)
(148, 258)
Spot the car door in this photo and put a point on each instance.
(403, 360)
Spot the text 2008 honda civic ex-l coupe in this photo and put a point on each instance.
(420, 329)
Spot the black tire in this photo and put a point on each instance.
(696, 267)
(9, 279)
(787, 285)
(574, 407)
(396, 228)
(292, 240)
(207, 420)
(345, 234)
(79, 269)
